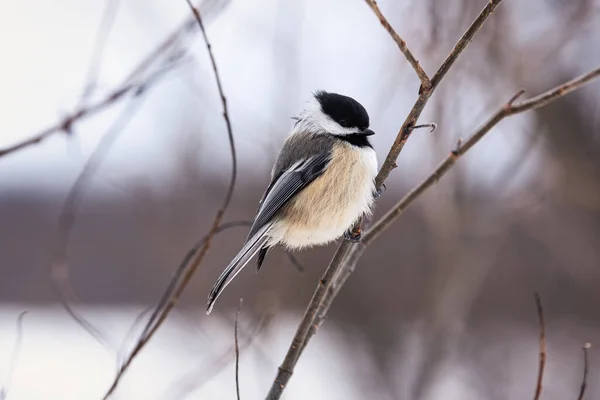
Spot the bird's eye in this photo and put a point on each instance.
(344, 123)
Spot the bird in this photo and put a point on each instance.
(323, 181)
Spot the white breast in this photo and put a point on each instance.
(330, 205)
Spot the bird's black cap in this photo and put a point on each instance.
(344, 110)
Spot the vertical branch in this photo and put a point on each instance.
(542, 364)
(237, 351)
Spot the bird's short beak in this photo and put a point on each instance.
(368, 132)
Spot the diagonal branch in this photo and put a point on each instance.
(425, 83)
(198, 256)
(345, 252)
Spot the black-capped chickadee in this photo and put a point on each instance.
(321, 183)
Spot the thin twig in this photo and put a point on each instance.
(307, 326)
(237, 351)
(542, 363)
(14, 358)
(431, 125)
(138, 320)
(425, 83)
(174, 298)
(108, 18)
(586, 364)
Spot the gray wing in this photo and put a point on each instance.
(303, 158)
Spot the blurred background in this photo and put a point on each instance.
(440, 307)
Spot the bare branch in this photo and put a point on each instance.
(14, 356)
(198, 256)
(340, 260)
(542, 364)
(586, 364)
(237, 351)
(425, 83)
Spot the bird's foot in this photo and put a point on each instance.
(353, 235)
(377, 193)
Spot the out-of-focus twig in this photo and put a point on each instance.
(59, 267)
(14, 356)
(67, 123)
(133, 82)
(162, 315)
(295, 262)
(237, 350)
(341, 258)
(542, 362)
(586, 365)
(108, 18)
(425, 83)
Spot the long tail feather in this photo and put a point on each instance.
(252, 246)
